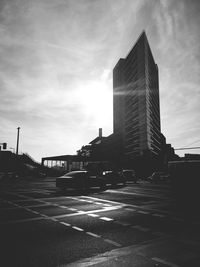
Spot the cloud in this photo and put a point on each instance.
(54, 53)
(178, 50)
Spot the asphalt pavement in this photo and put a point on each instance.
(132, 225)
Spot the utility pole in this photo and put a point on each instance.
(18, 128)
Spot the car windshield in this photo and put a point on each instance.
(74, 174)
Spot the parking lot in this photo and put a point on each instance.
(42, 226)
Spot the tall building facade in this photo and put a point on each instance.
(136, 108)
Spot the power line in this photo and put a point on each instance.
(186, 148)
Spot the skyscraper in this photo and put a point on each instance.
(136, 108)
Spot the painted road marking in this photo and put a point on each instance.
(75, 198)
(14, 204)
(112, 242)
(141, 194)
(24, 220)
(28, 209)
(36, 212)
(87, 212)
(66, 215)
(77, 228)
(43, 215)
(72, 209)
(88, 201)
(130, 209)
(104, 200)
(123, 205)
(37, 205)
(106, 219)
(53, 219)
(92, 234)
(165, 262)
(66, 224)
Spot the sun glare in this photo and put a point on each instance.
(96, 101)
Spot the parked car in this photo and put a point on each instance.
(157, 177)
(113, 178)
(129, 175)
(80, 180)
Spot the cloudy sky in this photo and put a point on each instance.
(56, 61)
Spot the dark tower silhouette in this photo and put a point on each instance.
(136, 108)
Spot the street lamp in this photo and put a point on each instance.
(18, 128)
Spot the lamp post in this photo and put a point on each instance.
(18, 128)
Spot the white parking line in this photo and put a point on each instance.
(53, 219)
(38, 205)
(106, 201)
(24, 220)
(66, 224)
(77, 228)
(28, 209)
(36, 212)
(130, 209)
(123, 223)
(165, 262)
(106, 219)
(78, 213)
(88, 201)
(92, 234)
(75, 198)
(137, 193)
(43, 215)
